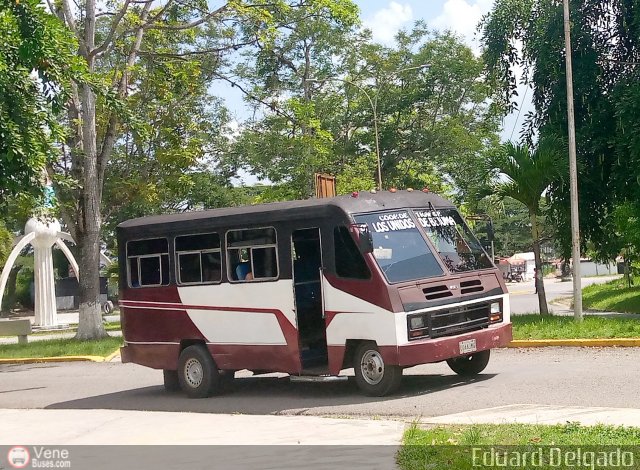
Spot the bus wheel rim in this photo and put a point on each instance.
(372, 367)
(193, 372)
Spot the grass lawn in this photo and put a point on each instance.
(535, 326)
(61, 347)
(613, 296)
(112, 326)
(443, 446)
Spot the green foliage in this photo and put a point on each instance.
(6, 242)
(511, 225)
(358, 175)
(449, 446)
(172, 150)
(592, 327)
(62, 347)
(626, 220)
(37, 63)
(528, 34)
(23, 284)
(568, 434)
(524, 175)
(428, 93)
(614, 296)
(291, 142)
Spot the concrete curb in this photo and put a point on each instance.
(36, 360)
(612, 342)
(111, 356)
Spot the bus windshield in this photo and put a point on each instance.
(459, 249)
(398, 247)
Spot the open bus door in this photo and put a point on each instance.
(307, 286)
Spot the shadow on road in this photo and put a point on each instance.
(266, 395)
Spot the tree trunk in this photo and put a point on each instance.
(88, 232)
(538, 282)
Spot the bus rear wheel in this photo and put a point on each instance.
(373, 376)
(197, 372)
(470, 365)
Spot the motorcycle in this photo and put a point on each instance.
(514, 277)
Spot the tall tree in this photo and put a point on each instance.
(432, 103)
(524, 175)
(287, 142)
(112, 37)
(172, 157)
(528, 35)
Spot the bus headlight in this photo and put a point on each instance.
(418, 326)
(416, 322)
(495, 315)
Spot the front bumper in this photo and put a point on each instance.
(435, 350)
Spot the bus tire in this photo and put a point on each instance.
(471, 364)
(197, 372)
(171, 381)
(373, 376)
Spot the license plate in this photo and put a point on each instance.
(467, 346)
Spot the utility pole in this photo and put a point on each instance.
(573, 171)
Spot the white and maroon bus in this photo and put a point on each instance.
(374, 281)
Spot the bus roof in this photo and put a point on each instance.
(364, 202)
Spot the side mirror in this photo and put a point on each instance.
(362, 237)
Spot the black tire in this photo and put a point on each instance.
(373, 376)
(197, 372)
(471, 364)
(171, 381)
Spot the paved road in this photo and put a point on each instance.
(551, 376)
(524, 300)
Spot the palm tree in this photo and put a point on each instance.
(525, 175)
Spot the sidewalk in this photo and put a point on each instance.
(119, 427)
(542, 414)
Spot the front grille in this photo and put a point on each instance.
(451, 321)
(436, 292)
(468, 287)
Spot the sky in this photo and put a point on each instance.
(386, 17)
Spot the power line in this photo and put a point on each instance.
(526, 90)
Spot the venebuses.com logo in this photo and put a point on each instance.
(38, 457)
(18, 457)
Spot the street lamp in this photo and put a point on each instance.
(374, 107)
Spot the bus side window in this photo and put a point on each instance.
(349, 260)
(148, 262)
(252, 254)
(198, 258)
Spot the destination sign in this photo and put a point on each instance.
(392, 222)
(435, 219)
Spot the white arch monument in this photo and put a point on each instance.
(43, 234)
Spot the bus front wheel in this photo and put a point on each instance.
(373, 376)
(470, 365)
(197, 372)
